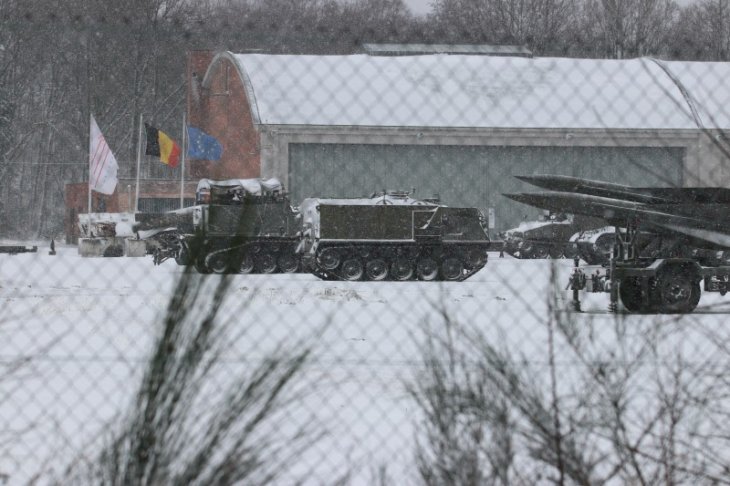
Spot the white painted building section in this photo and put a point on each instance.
(452, 91)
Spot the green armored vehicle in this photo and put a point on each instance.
(236, 226)
(391, 237)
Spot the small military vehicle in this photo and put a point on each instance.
(547, 237)
(391, 236)
(236, 226)
(594, 246)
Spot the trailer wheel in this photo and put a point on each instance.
(630, 292)
(288, 263)
(183, 256)
(451, 269)
(352, 269)
(376, 269)
(527, 250)
(401, 269)
(427, 269)
(677, 291)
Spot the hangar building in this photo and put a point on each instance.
(459, 126)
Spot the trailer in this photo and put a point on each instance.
(669, 281)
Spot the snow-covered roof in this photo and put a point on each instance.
(468, 49)
(482, 91)
(255, 187)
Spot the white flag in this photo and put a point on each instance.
(102, 164)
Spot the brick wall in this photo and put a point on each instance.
(219, 106)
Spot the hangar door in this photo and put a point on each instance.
(470, 175)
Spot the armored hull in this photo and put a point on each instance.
(391, 238)
(237, 226)
(549, 238)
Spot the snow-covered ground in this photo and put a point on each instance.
(86, 325)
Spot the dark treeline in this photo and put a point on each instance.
(118, 59)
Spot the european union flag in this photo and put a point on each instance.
(203, 146)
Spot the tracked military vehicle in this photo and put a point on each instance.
(391, 236)
(236, 226)
(548, 237)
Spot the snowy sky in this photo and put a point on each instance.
(422, 7)
(419, 7)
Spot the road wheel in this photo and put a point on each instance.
(376, 269)
(527, 250)
(247, 264)
(288, 263)
(402, 269)
(556, 251)
(540, 252)
(677, 291)
(329, 259)
(267, 263)
(451, 269)
(427, 269)
(201, 267)
(476, 258)
(352, 269)
(217, 262)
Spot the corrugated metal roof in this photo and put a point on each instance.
(483, 92)
(465, 49)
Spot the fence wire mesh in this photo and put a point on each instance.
(117, 370)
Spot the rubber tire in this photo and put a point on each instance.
(451, 269)
(677, 293)
(376, 269)
(629, 290)
(183, 257)
(427, 269)
(401, 269)
(352, 269)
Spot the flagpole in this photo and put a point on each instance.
(182, 168)
(139, 161)
(91, 117)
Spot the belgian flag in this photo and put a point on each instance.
(162, 146)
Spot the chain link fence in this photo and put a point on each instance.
(119, 371)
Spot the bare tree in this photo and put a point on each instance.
(637, 410)
(183, 429)
(630, 28)
(539, 24)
